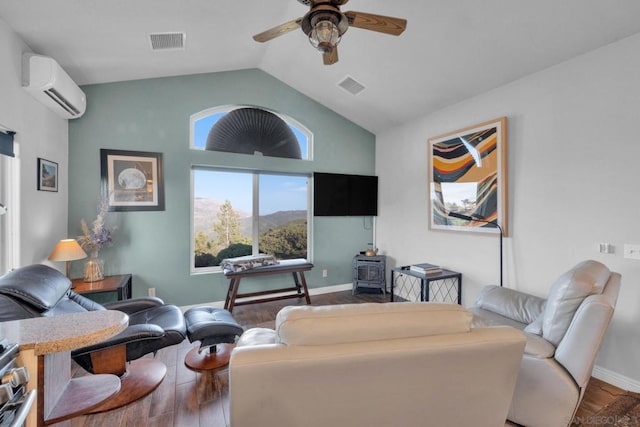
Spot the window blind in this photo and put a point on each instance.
(6, 143)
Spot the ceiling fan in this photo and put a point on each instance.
(325, 24)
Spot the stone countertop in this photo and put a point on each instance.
(66, 332)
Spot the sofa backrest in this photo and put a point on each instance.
(566, 295)
(337, 324)
(397, 367)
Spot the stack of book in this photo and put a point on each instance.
(426, 268)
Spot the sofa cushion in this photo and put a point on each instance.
(337, 324)
(538, 347)
(535, 327)
(485, 319)
(256, 336)
(38, 285)
(567, 293)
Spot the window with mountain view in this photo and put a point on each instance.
(244, 212)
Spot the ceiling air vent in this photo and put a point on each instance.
(351, 85)
(167, 41)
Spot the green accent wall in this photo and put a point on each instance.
(153, 115)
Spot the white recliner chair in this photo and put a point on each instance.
(564, 333)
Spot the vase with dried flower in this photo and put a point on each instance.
(93, 239)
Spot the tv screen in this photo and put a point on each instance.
(345, 195)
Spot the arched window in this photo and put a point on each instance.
(239, 212)
(250, 130)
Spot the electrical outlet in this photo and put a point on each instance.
(152, 292)
(606, 248)
(631, 251)
(324, 272)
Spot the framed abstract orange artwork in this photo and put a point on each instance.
(468, 179)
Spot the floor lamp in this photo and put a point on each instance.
(481, 219)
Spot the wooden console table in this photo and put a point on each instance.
(296, 269)
(45, 344)
(120, 284)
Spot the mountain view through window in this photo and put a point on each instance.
(244, 212)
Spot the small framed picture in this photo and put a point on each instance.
(47, 175)
(132, 180)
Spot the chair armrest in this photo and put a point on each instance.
(84, 302)
(538, 347)
(131, 334)
(510, 303)
(131, 306)
(580, 345)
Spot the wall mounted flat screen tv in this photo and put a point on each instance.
(344, 195)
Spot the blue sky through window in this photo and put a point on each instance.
(282, 193)
(277, 192)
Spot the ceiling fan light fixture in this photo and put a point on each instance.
(324, 24)
(324, 35)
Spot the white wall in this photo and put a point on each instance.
(574, 174)
(39, 133)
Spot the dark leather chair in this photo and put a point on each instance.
(41, 291)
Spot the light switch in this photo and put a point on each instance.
(631, 251)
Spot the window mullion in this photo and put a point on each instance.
(256, 215)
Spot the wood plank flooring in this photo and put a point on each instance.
(189, 399)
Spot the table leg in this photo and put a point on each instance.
(392, 285)
(306, 290)
(297, 282)
(124, 292)
(460, 289)
(129, 288)
(232, 292)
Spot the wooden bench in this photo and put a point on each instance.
(296, 268)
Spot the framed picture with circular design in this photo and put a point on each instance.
(132, 180)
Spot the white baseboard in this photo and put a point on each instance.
(331, 289)
(616, 379)
(313, 291)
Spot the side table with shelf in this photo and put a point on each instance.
(120, 284)
(445, 286)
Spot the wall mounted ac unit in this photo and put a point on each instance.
(46, 81)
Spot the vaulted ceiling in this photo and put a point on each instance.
(450, 51)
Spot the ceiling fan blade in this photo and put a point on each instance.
(379, 23)
(330, 57)
(274, 32)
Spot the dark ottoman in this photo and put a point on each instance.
(216, 329)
